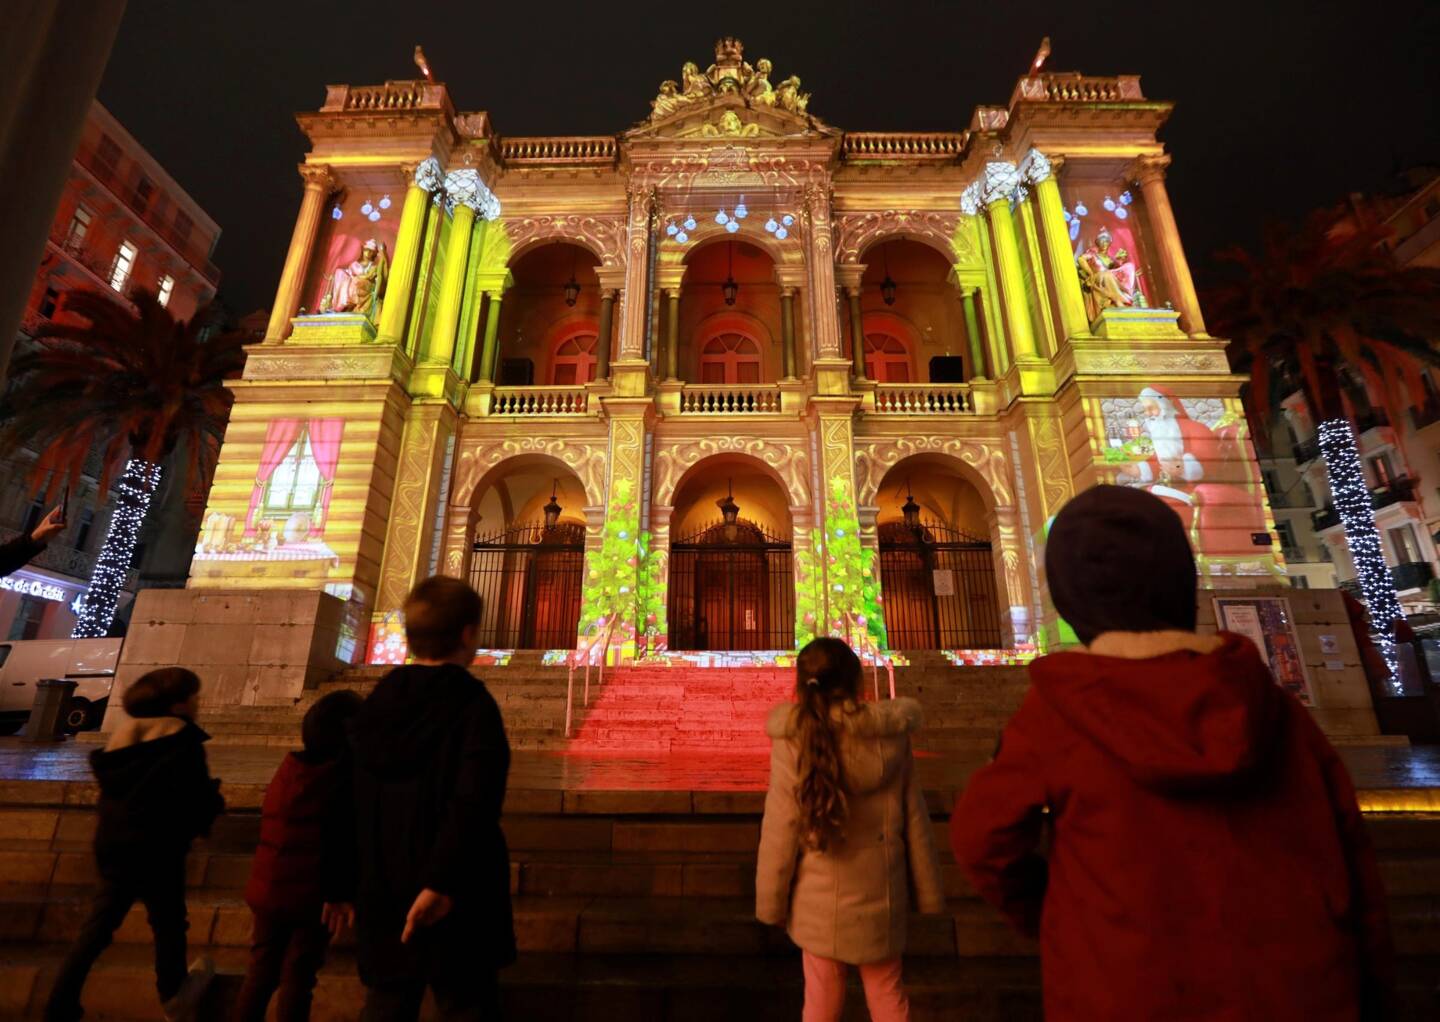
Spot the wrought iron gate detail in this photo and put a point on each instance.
(938, 585)
(528, 578)
(732, 586)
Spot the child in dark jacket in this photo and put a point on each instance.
(156, 797)
(303, 873)
(431, 760)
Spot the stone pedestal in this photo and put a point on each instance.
(250, 647)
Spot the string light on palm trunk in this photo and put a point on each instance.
(133, 493)
(1357, 514)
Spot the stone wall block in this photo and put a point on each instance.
(154, 642)
(225, 608)
(207, 644)
(275, 645)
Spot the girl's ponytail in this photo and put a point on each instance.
(827, 672)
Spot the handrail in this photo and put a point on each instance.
(924, 398)
(556, 400)
(730, 399)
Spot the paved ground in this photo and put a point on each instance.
(1374, 769)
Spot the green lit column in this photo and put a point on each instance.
(400, 288)
(490, 347)
(1041, 172)
(972, 332)
(440, 345)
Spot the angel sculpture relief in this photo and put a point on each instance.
(789, 97)
(667, 102)
(697, 86)
(758, 89)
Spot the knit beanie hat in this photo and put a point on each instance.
(1117, 559)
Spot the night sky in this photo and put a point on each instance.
(1280, 107)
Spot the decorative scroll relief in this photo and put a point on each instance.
(856, 232)
(407, 508)
(377, 365)
(1050, 457)
(603, 236)
(786, 456)
(873, 458)
(1126, 361)
(587, 460)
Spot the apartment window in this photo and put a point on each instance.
(83, 529)
(1402, 542)
(295, 485)
(79, 227)
(144, 192)
(124, 264)
(1382, 470)
(1299, 582)
(108, 151)
(1272, 483)
(1286, 532)
(28, 618)
(183, 225)
(33, 514)
(50, 302)
(167, 285)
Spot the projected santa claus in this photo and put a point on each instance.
(1185, 470)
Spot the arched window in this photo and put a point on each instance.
(730, 358)
(574, 360)
(887, 359)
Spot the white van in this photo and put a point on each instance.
(88, 662)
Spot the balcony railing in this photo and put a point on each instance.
(1394, 492)
(1370, 420)
(737, 399)
(1306, 450)
(923, 399)
(1416, 575)
(540, 401)
(1326, 518)
(911, 145)
(1077, 88)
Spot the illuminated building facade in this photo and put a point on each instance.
(122, 223)
(729, 378)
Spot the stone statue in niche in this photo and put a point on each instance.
(360, 286)
(1109, 277)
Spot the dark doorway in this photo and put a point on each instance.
(528, 577)
(939, 588)
(731, 587)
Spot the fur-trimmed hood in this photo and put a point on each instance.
(873, 736)
(1181, 712)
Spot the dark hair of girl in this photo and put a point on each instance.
(156, 693)
(325, 729)
(827, 672)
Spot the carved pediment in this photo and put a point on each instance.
(730, 99)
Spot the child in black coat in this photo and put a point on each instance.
(303, 875)
(156, 797)
(431, 760)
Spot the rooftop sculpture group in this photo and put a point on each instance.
(731, 74)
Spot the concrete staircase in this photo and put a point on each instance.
(629, 905)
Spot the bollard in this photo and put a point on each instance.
(52, 696)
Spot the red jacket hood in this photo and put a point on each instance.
(1181, 712)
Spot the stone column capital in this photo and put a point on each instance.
(463, 187)
(1036, 167)
(788, 290)
(1000, 183)
(318, 177)
(1147, 169)
(428, 175)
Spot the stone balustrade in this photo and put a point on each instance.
(598, 149)
(404, 95)
(1077, 88)
(923, 399)
(730, 399)
(540, 401)
(902, 145)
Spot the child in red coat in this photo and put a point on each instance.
(304, 869)
(1206, 858)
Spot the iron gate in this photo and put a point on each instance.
(528, 578)
(732, 586)
(939, 588)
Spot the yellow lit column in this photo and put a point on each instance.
(400, 288)
(490, 347)
(1040, 172)
(319, 183)
(1000, 182)
(1150, 174)
(464, 188)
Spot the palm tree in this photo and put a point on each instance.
(1322, 306)
(139, 388)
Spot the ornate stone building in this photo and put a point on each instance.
(730, 377)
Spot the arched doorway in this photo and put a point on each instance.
(732, 580)
(913, 316)
(937, 561)
(528, 568)
(549, 319)
(729, 330)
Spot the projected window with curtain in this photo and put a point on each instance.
(297, 470)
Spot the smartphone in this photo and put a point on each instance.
(65, 506)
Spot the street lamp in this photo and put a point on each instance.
(552, 509)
